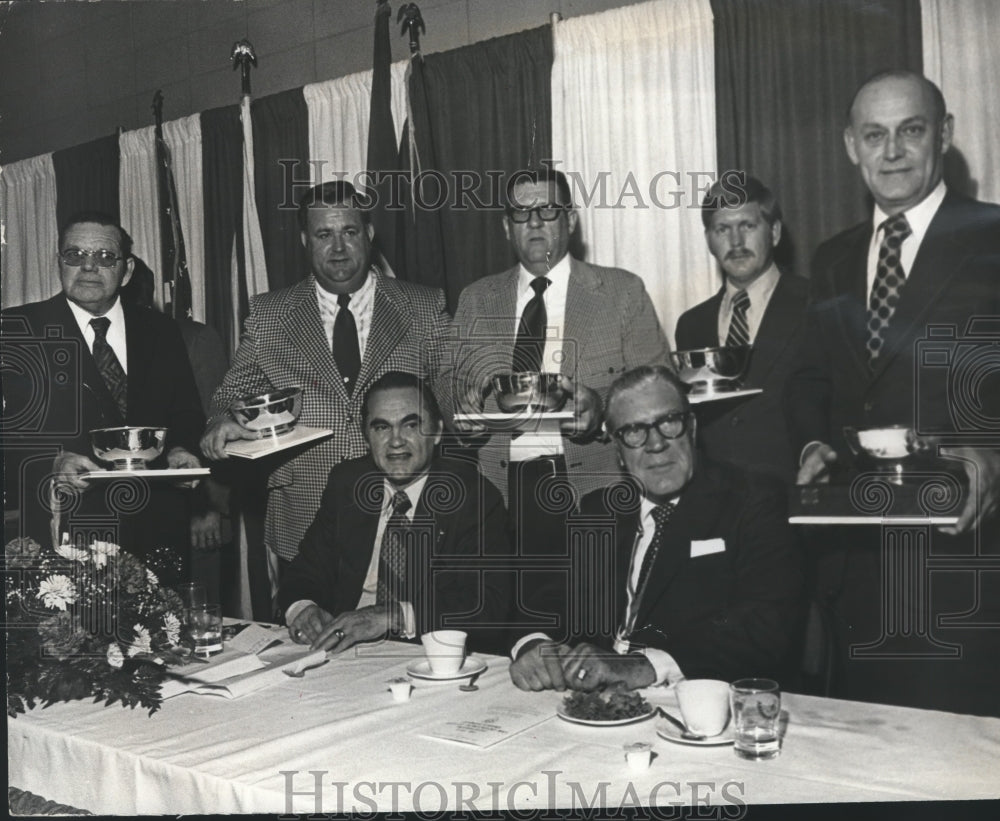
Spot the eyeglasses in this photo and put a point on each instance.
(74, 257)
(670, 426)
(546, 213)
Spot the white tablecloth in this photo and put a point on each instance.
(338, 739)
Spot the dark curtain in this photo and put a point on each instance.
(281, 177)
(489, 108)
(87, 178)
(222, 170)
(785, 73)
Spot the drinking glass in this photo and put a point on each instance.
(204, 627)
(756, 706)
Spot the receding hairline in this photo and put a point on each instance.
(930, 90)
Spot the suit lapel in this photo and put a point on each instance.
(851, 287)
(304, 331)
(139, 344)
(93, 383)
(584, 307)
(775, 331)
(390, 323)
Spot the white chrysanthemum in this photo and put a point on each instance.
(172, 627)
(102, 551)
(142, 642)
(115, 657)
(67, 551)
(151, 578)
(57, 591)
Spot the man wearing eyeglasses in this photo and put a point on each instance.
(557, 314)
(704, 579)
(111, 365)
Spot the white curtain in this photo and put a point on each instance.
(961, 55)
(30, 231)
(338, 122)
(633, 114)
(138, 200)
(183, 138)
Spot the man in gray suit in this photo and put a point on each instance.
(554, 313)
(333, 334)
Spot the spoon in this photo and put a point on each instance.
(680, 725)
(470, 686)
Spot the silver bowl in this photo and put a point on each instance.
(895, 449)
(269, 414)
(529, 392)
(128, 448)
(712, 370)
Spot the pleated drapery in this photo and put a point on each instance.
(28, 270)
(140, 213)
(87, 178)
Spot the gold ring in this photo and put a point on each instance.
(338, 633)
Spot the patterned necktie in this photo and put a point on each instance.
(111, 369)
(739, 329)
(889, 281)
(392, 557)
(661, 515)
(530, 343)
(346, 350)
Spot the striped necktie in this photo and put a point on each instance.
(111, 369)
(739, 329)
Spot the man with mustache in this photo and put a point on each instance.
(756, 306)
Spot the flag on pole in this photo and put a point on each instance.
(174, 269)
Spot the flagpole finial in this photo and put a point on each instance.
(412, 24)
(244, 56)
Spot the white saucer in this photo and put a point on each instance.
(422, 670)
(671, 733)
(593, 722)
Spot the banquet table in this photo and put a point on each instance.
(334, 741)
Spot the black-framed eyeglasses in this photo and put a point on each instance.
(546, 213)
(74, 257)
(670, 426)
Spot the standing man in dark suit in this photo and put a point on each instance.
(705, 579)
(924, 265)
(133, 370)
(757, 306)
(333, 334)
(348, 583)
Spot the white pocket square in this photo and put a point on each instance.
(706, 547)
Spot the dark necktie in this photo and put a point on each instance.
(739, 329)
(661, 515)
(111, 369)
(346, 350)
(889, 280)
(530, 343)
(392, 557)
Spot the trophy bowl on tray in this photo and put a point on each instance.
(128, 448)
(712, 371)
(269, 414)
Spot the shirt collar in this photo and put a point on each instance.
(362, 295)
(412, 491)
(759, 288)
(558, 271)
(646, 509)
(919, 216)
(115, 313)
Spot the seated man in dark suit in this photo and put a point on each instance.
(757, 306)
(704, 579)
(112, 364)
(403, 542)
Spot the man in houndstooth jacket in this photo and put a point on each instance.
(287, 341)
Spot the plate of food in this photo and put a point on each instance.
(611, 707)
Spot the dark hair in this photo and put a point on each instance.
(645, 374)
(544, 175)
(937, 98)
(402, 379)
(734, 189)
(99, 218)
(335, 192)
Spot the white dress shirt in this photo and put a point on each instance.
(759, 291)
(554, 296)
(362, 306)
(116, 330)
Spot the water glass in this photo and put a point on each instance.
(204, 627)
(192, 595)
(756, 706)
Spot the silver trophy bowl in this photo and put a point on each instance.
(710, 371)
(529, 392)
(128, 448)
(269, 414)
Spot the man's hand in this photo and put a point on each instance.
(982, 467)
(588, 410)
(540, 666)
(309, 624)
(588, 667)
(67, 468)
(366, 624)
(206, 530)
(816, 466)
(470, 400)
(218, 433)
(180, 458)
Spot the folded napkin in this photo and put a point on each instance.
(239, 676)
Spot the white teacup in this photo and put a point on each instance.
(445, 651)
(704, 705)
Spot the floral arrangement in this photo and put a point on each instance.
(86, 622)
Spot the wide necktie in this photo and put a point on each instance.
(661, 515)
(889, 280)
(530, 343)
(111, 369)
(739, 329)
(346, 350)
(393, 552)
